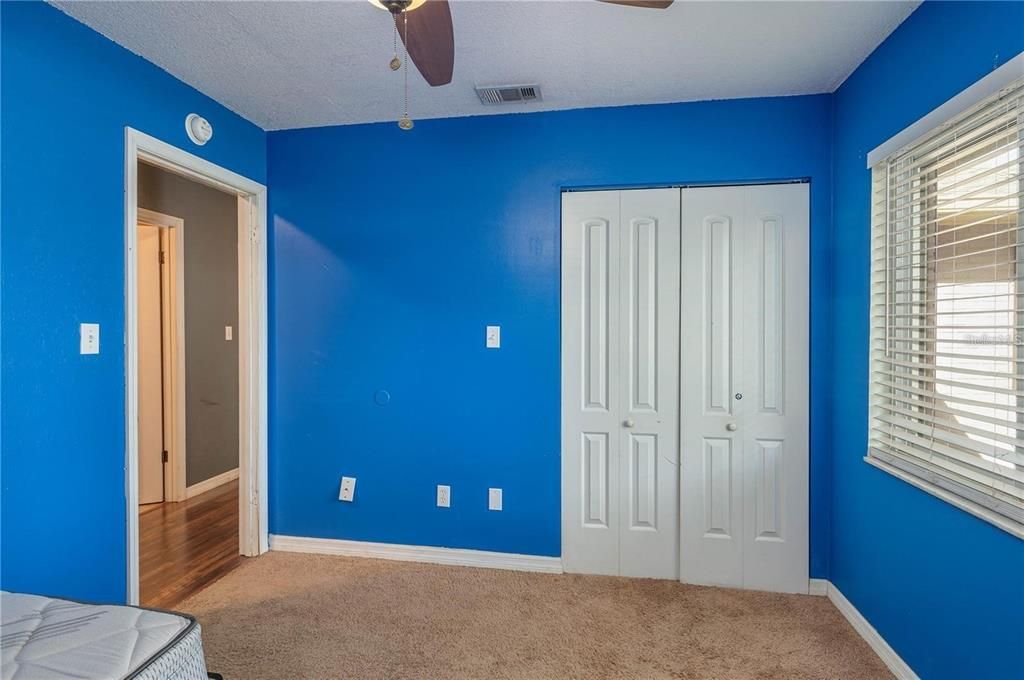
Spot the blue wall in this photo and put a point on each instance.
(67, 94)
(945, 589)
(392, 251)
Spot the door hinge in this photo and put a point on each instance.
(161, 257)
(165, 458)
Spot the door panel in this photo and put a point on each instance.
(711, 474)
(151, 436)
(649, 368)
(620, 264)
(717, 311)
(744, 450)
(776, 372)
(590, 390)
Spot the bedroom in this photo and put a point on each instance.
(381, 258)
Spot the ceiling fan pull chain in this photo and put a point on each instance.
(405, 122)
(395, 62)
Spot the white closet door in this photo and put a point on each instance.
(591, 390)
(745, 384)
(620, 302)
(649, 383)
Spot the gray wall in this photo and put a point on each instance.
(211, 303)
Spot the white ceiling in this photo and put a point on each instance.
(305, 64)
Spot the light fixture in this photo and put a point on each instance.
(401, 5)
(401, 8)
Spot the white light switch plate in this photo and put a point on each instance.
(228, 332)
(348, 489)
(89, 338)
(494, 499)
(444, 496)
(493, 337)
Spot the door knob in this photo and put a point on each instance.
(732, 427)
(628, 423)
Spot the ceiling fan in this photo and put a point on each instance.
(432, 48)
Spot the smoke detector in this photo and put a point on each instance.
(508, 94)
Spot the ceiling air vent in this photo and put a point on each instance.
(507, 94)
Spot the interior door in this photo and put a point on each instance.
(620, 307)
(744, 447)
(151, 408)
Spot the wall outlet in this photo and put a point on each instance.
(89, 338)
(494, 499)
(444, 496)
(348, 489)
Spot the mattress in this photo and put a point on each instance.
(45, 637)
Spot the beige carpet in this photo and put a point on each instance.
(284, 615)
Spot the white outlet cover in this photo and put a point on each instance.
(494, 499)
(348, 489)
(89, 338)
(444, 496)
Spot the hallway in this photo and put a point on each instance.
(183, 547)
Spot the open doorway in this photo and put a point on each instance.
(187, 311)
(195, 312)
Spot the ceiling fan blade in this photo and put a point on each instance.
(431, 42)
(650, 4)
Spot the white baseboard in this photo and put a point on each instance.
(887, 654)
(211, 483)
(417, 553)
(818, 586)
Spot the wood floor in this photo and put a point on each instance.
(184, 547)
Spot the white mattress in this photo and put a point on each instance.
(45, 637)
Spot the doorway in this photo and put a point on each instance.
(685, 384)
(149, 306)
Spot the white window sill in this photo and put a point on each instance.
(1007, 525)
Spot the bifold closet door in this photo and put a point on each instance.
(744, 441)
(620, 382)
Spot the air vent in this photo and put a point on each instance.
(507, 94)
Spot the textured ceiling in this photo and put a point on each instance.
(304, 64)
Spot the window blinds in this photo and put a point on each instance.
(947, 309)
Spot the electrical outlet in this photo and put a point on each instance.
(444, 496)
(494, 499)
(348, 489)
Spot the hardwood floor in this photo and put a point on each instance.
(184, 547)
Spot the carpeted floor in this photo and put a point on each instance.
(285, 615)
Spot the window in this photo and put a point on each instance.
(947, 311)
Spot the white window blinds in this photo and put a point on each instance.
(947, 310)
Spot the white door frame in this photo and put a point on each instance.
(252, 338)
(173, 358)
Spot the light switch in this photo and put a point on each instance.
(228, 332)
(89, 338)
(494, 499)
(493, 337)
